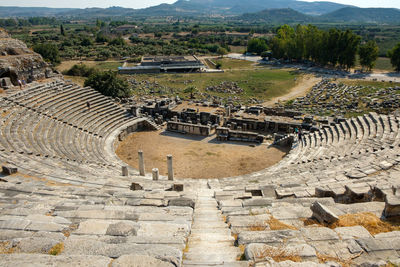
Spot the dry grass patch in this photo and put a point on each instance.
(368, 220)
(343, 262)
(278, 254)
(391, 264)
(275, 224)
(258, 227)
(67, 232)
(242, 256)
(6, 248)
(57, 249)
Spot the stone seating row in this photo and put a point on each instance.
(267, 225)
(42, 217)
(67, 103)
(71, 139)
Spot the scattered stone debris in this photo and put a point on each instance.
(226, 87)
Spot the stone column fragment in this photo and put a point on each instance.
(141, 163)
(170, 168)
(155, 174)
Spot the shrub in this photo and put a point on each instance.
(108, 83)
(80, 70)
(49, 52)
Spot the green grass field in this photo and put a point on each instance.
(260, 83)
(383, 63)
(228, 63)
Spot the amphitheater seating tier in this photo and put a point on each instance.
(69, 199)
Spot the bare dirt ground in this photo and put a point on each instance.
(304, 84)
(195, 156)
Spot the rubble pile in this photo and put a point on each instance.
(226, 87)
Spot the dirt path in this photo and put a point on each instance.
(304, 84)
(195, 156)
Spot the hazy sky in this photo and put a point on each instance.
(146, 3)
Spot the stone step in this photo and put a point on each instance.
(211, 255)
(188, 263)
(211, 237)
(223, 230)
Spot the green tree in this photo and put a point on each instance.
(86, 41)
(62, 31)
(101, 38)
(49, 52)
(368, 53)
(80, 70)
(119, 41)
(394, 56)
(108, 83)
(190, 90)
(222, 51)
(283, 44)
(313, 43)
(347, 49)
(257, 46)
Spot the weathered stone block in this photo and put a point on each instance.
(139, 261)
(392, 206)
(136, 186)
(182, 202)
(323, 214)
(121, 229)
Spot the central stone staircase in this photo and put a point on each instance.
(210, 242)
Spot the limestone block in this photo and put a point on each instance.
(93, 227)
(27, 260)
(132, 260)
(392, 206)
(121, 229)
(182, 202)
(14, 224)
(323, 214)
(76, 245)
(35, 244)
(352, 232)
(319, 234)
(373, 245)
(258, 202)
(266, 237)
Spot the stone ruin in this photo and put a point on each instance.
(338, 98)
(69, 198)
(334, 200)
(18, 62)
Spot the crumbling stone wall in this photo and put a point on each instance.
(189, 128)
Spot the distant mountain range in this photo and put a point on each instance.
(373, 15)
(13, 11)
(268, 11)
(346, 14)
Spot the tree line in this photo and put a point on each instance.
(332, 47)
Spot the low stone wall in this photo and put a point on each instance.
(225, 134)
(139, 125)
(189, 128)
